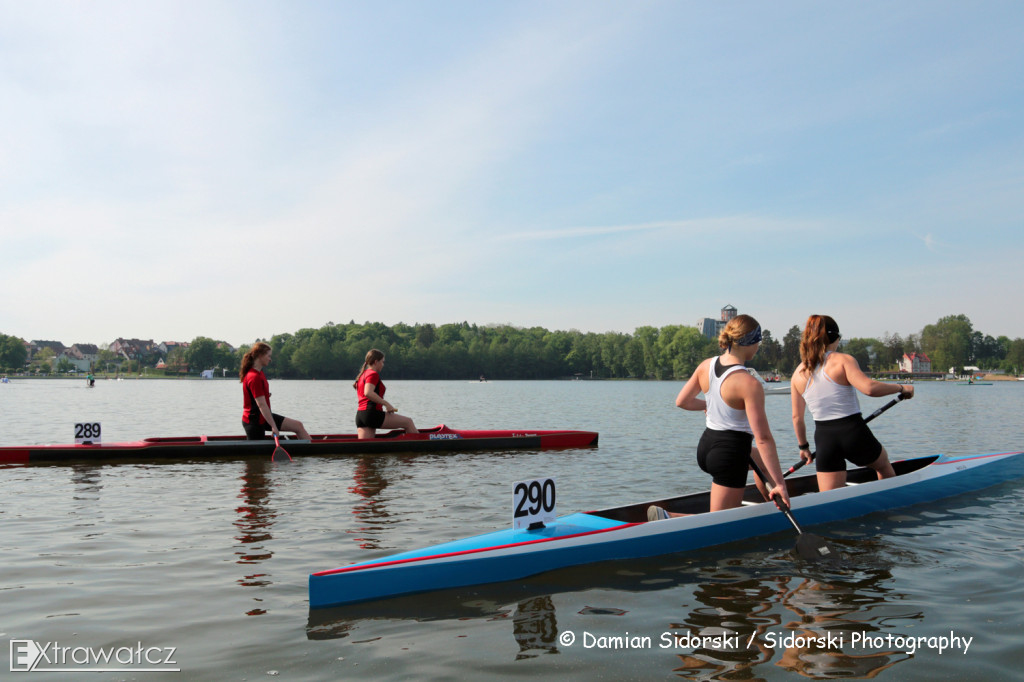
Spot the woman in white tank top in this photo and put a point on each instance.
(827, 382)
(734, 404)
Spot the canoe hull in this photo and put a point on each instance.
(438, 439)
(623, 533)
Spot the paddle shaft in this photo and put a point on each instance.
(874, 414)
(783, 507)
(808, 546)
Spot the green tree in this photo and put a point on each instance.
(860, 349)
(105, 359)
(948, 342)
(890, 349)
(1014, 360)
(43, 360)
(13, 353)
(790, 350)
(206, 353)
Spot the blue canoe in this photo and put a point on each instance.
(625, 533)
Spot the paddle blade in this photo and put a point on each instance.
(280, 454)
(812, 547)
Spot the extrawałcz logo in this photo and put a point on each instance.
(30, 656)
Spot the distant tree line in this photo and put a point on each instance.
(467, 351)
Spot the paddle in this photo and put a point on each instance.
(280, 454)
(874, 414)
(808, 546)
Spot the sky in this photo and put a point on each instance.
(248, 168)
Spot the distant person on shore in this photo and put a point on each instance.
(827, 381)
(257, 417)
(735, 420)
(375, 412)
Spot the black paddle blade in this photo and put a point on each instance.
(812, 547)
(280, 455)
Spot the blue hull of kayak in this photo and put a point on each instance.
(623, 533)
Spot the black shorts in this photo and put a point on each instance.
(259, 431)
(370, 419)
(846, 438)
(726, 456)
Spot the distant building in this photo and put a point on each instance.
(132, 349)
(915, 363)
(166, 347)
(82, 356)
(35, 346)
(710, 328)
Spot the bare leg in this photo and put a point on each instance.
(725, 498)
(365, 432)
(296, 427)
(830, 480)
(393, 420)
(882, 466)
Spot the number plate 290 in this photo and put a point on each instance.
(532, 502)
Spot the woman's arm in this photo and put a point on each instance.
(796, 390)
(370, 391)
(753, 403)
(687, 398)
(868, 386)
(268, 416)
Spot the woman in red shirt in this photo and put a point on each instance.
(375, 412)
(256, 415)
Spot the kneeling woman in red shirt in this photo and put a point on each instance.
(257, 418)
(375, 412)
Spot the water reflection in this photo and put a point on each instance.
(752, 619)
(824, 622)
(535, 627)
(254, 522)
(368, 482)
(739, 618)
(87, 484)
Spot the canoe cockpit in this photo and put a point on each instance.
(699, 503)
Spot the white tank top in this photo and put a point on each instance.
(827, 399)
(720, 416)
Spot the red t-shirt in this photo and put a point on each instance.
(370, 377)
(254, 385)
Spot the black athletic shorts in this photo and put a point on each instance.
(370, 419)
(259, 431)
(846, 438)
(726, 456)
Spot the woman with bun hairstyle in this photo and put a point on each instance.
(736, 425)
(257, 418)
(826, 382)
(375, 412)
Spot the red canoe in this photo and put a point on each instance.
(438, 439)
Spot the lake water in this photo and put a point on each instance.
(212, 558)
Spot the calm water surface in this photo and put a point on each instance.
(213, 557)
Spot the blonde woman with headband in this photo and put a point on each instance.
(736, 424)
(375, 412)
(827, 382)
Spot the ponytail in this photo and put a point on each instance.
(372, 356)
(249, 359)
(821, 330)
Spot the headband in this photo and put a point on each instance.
(831, 331)
(750, 338)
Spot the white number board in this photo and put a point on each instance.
(88, 432)
(533, 502)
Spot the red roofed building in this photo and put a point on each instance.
(914, 363)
